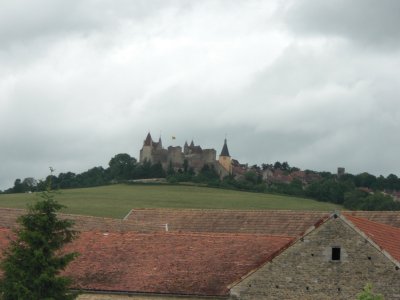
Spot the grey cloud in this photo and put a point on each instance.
(311, 109)
(25, 23)
(368, 22)
(96, 76)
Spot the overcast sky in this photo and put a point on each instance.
(315, 83)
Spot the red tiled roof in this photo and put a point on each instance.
(171, 263)
(391, 218)
(9, 216)
(270, 222)
(385, 236)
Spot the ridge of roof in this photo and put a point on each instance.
(226, 210)
(235, 235)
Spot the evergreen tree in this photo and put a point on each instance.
(33, 262)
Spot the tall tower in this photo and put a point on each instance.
(146, 151)
(225, 159)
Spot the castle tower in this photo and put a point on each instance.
(148, 141)
(145, 152)
(225, 159)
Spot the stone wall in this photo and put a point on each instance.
(226, 162)
(145, 154)
(306, 269)
(196, 159)
(175, 156)
(209, 156)
(159, 155)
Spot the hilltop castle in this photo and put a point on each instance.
(194, 156)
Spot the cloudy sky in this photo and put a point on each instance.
(315, 83)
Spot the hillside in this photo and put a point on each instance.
(117, 200)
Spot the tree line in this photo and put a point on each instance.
(356, 192)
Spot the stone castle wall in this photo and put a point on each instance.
(209, 156)
(145, 153)
(195, 156)
(306, 270)
(176, 157)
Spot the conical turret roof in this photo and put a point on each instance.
(225, 151)
(148, 141)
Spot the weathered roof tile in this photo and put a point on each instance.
(385, 236)
(175, 263)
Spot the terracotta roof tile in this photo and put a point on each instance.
(9, 216)
(385, 236)
(391, 218)
(190, 264)
(270, 222)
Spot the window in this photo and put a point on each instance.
(336, 253)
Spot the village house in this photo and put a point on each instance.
(212, 254)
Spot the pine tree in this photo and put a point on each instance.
(32, 264)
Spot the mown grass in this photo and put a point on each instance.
(117, 200)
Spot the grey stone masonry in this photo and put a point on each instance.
(306, 269)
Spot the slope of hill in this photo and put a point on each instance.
(117, 200)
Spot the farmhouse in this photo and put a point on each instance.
(223, 254)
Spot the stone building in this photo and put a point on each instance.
(194, 155)
(332, 261)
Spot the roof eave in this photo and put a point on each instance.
(137, 293)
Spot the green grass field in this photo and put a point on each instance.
(117, 200)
